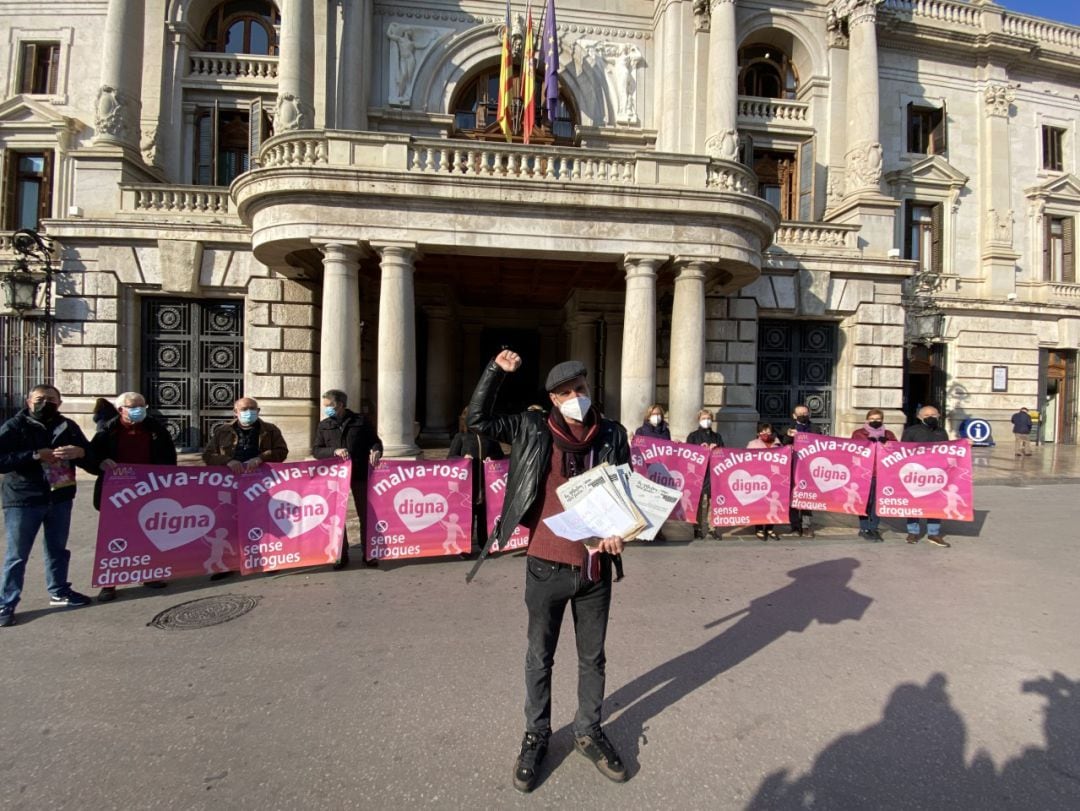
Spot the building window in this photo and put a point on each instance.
(778, 181)
(243, 27)
(40, 68)
(923, 235)
(28, 190)
(766, 72)
(476, 106)
(222, 146)
(926, 130)
(1053, 151)
(1059, 254)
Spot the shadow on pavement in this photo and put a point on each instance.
(914, 758)
(819, 592)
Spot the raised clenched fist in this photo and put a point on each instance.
(508, 361)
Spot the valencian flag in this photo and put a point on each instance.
(506, 78)
(551, 62)
(528, 78)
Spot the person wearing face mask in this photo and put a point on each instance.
(655, 423)
(706, 437)
(244, 444)
(873, 430)
(39, 449)
(927, 429)
(765, 439)
(801, 520)
(132, 437)
(347, 435)
(546, 451)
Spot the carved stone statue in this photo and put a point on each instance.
(624, 60)
(863, 169)
(109, 113)
(409, 41)
(723, 145)
(149, 145)
(291, 114)
(999, 227)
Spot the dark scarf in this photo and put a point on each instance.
(574, 451)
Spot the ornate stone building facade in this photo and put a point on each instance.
(733, 203)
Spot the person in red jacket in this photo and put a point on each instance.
(873, 430)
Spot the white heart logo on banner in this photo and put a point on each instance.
(418, 511)
(168, 525)
(747, 488)
(659, 473)
(295, 514)
(922, 481)
(828, 476)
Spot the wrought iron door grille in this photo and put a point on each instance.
(192, 365)
(26, 360)
(796, 362)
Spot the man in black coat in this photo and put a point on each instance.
(129, 438)
(39, 449)
(927, 429)
(1021, 422)
(800, 424)
(348, 435)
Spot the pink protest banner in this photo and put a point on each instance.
(832, 474)
(673, 464)
(749, 486)
(163, 523)
(495, 472)
(925, 480)
(419, 509)
(292, 514)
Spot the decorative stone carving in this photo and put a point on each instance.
(409, 42)
(999, 227)
(863, 167)
(723, 145)
(624, 61)
(998, 97)
(149, 145)
(607, 72)
(115, 114)
(701, 15)
(854, 11)
(292, 114)
(836, 29)
(834, 188)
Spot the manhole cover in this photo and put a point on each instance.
(204, 612)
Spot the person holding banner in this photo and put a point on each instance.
(800, 424)
(130, 438)
(347, 435)
(873, 430)
(244, 444)
(765, 439)
(478, 448)
(39, 449)
(655, 423)
(706, 437)
(927, 429)
(546, 452)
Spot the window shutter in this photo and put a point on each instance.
(54, 69)
(938, 137)
(806, 181)
(29, 59)
(11, 161)
(937, 222)
(215, 138)
(1068, 265)
(911, 145)
(255, 132)
(1048, 268)
(45, 207)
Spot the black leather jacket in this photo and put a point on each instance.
(530, 454)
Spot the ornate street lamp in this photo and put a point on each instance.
(22, 283)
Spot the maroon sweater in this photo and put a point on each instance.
(544, 543)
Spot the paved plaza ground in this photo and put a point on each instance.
(829, 673)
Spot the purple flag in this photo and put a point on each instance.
(551, 61)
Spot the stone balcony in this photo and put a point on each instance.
(1058, 293)
(782, 114)
(235, 71)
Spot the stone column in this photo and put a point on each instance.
(119, 98)
(721, 126)
(638, 386)
(862, 170)
(296, 67)
(352, 79)
(686, 384)
(836, 115)
(339, 349)
(440, 417)
(612, 372)
(998, 254)
(397, 349)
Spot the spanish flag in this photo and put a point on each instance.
(528, 79)
(506, 79)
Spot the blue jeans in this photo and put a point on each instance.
(548, 588)
(933, 526)
(22, 525)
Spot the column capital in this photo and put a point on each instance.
(856, 12)
(643, 264)
(340, 248)
(397, 250)
(692, 267)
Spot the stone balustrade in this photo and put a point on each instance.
(941, 10)
(554, 164)
(299, 149)
(239, 67)
(1062, 292)
(760, 111)
(154, 198)
(1043, 31)
(815, 235)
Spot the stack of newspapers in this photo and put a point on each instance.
(610, 500)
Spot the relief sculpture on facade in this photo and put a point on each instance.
(115, 113)
(608, 71)
(409, 42)
(999, 227)
(723, 145)
(997, 98)
(863, 167)
(292, 114)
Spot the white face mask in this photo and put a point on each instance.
(706, 424)
(656, 419)
(575, 408)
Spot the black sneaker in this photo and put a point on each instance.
(527, 765)
(107, 594)
(154, 584)
(221, 575)
(877, 536)
(7, 616)
(70, 598)
(598, 749)
(342, 561)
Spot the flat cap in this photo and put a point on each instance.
(561, 372)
